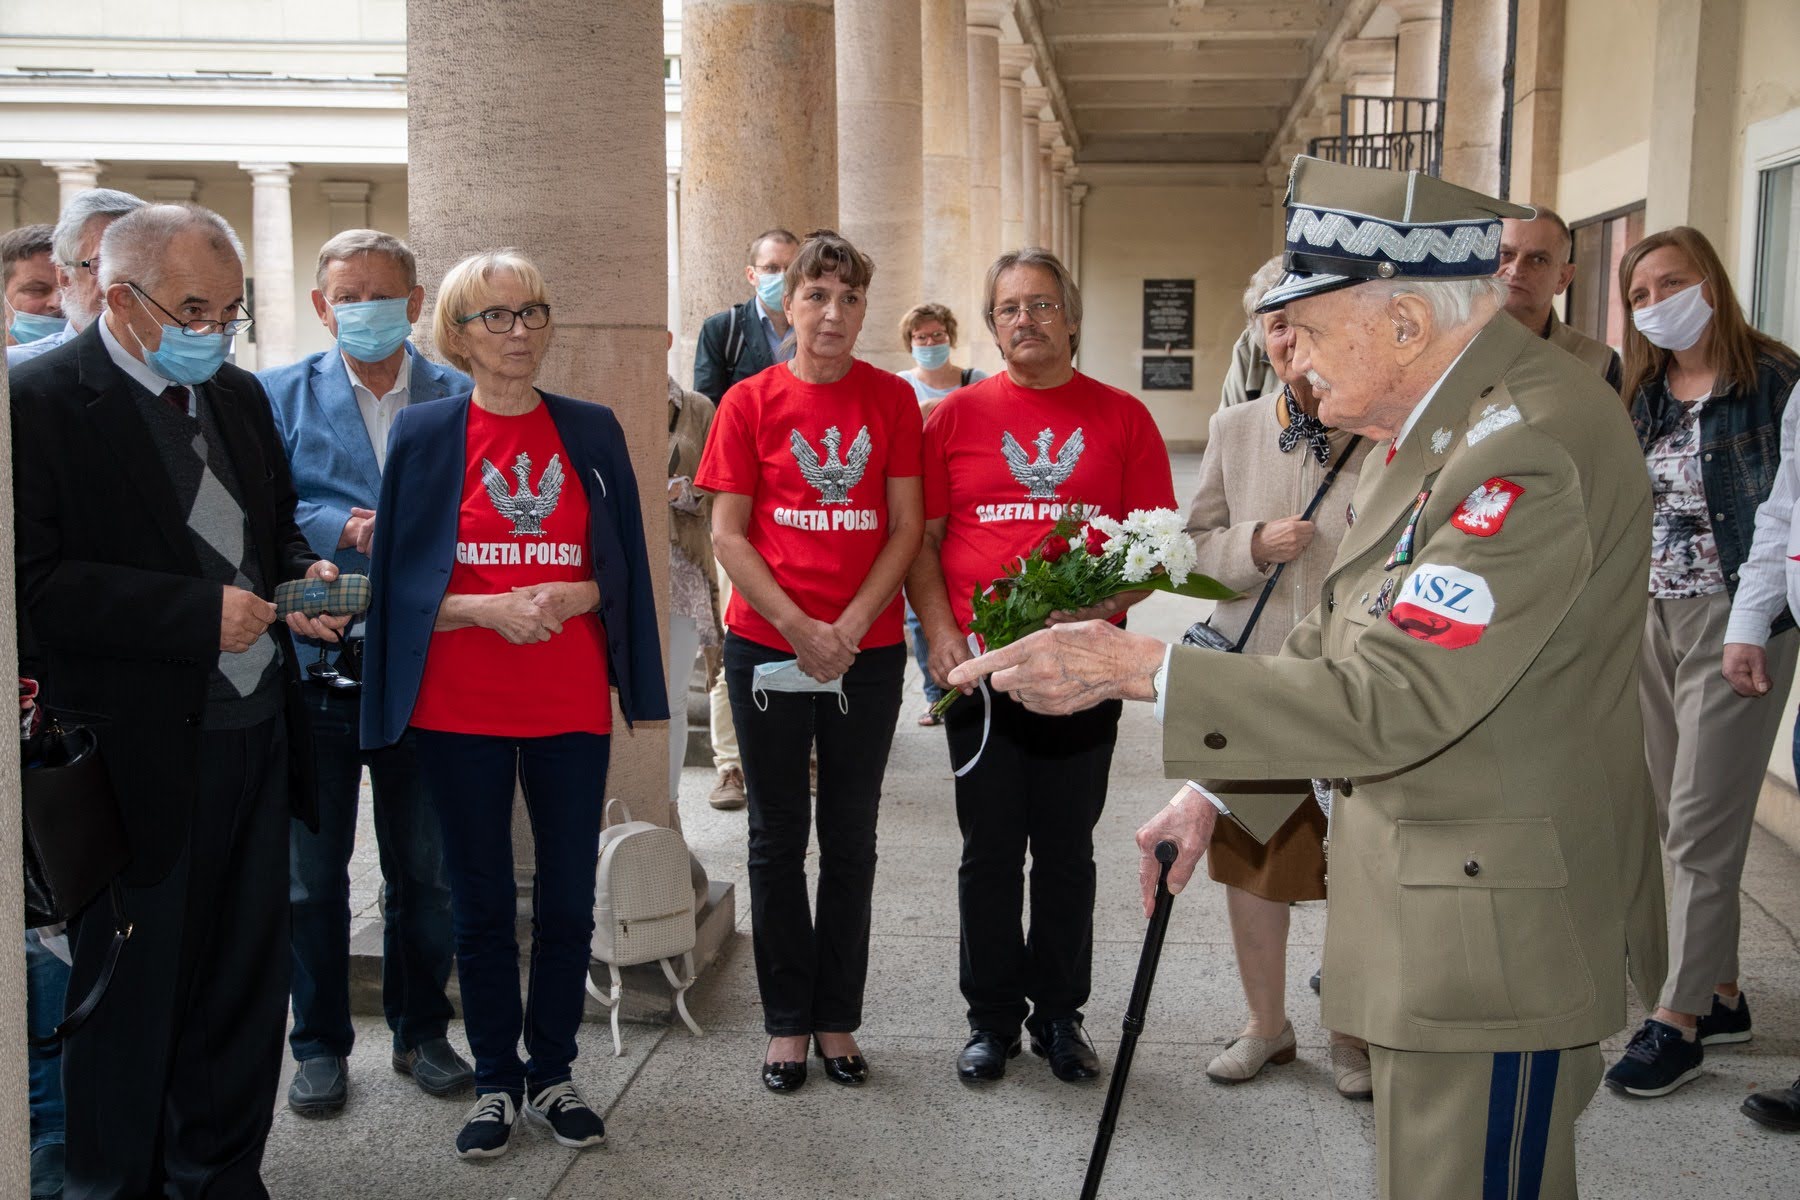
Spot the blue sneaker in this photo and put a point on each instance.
(1725, 1024)
(1656, 1062)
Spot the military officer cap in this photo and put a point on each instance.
(1347, 225)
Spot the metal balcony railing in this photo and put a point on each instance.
(1394, 133)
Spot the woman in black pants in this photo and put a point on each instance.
(815, 467)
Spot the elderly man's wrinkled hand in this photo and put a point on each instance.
(1106, 610)
(1069, 668)
(1188, 821)
(325, 627)
(1746, 669)
(243, 617)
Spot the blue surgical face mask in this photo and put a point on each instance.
(29, 327)
(185, 357)
(786, 676)
(370, 330)
(932, 357)
(770, 289)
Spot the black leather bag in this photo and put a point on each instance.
(1202, 633)
(74, 843)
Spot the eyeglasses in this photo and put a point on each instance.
(1041, 311)
(940, 338)
(500, 320)
(200, 326)
(90, 265)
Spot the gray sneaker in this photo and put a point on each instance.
(320, 1087)
(436, 1067)
(728, 793)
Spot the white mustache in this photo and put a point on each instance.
(1317, 381)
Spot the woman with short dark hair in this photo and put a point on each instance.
(817, 512)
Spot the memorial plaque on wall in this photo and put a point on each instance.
(1172, 374)
(1168, 314)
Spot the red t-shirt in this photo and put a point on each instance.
(814, 460)
(524, 521)
(1003, 461)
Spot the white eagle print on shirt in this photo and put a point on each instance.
(834, 477)
(527, 510)
(1043, 475)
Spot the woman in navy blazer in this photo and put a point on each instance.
(512, 593)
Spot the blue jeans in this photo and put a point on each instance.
(922, 655)
(46, 986)
(470, 780)
(416, 938)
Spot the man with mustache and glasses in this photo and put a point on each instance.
(1003, 459)
(1464, 699)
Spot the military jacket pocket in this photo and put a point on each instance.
(1486, 938)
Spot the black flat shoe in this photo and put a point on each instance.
(849, 1069)
(1065, 1043)
(983, 1059)
(783, 1076)
(1775, 1110)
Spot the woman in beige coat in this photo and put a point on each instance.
(1265, 461)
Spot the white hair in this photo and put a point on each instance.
(132, 249)
(88, 204)
(1452, 301)
(1266, 277)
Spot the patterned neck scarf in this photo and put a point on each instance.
(1299, 425)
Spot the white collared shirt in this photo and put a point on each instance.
(1412, 418)
(137, 368)
(378, 412)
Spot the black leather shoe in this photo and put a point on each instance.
(436, 1067)
(1065, 1043)
(1775, 1110)
(848, 1069)
(984, 1058)
(784, 1076)
(320, 1087)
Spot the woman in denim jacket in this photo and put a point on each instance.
(1707, 396)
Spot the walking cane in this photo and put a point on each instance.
(1134, 1019)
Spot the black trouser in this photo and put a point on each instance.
(171, 1084)
(1040, 784)
(811, 972)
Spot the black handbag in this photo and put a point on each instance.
(1202, 633)
(74, 841)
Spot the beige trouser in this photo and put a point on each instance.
(1707, 748)
(724, 734)
(1480, 1126)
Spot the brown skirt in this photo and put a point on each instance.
(1290, 867)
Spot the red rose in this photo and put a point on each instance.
(1054, 547)
(1096, 542)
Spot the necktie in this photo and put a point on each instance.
(176, 397)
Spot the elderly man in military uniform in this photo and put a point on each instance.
(1467, 688)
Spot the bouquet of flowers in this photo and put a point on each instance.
(1087, 558)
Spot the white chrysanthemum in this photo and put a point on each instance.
(1176, 553)
(1140, 560)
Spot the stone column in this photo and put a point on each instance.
(1031, 99)
(477, 185)
(881, 162)
(1046, 186)
(672, 218)
(984, 173)
(1077, 194)
(1416, 47)
(1474, 95)
(1537, 101)
(346, 204)
(9, 201)
(1059, 203)
(272, 261)
(759, 122)
(15, 1150)
(1692, 99)
(1013, 60)
(72, 176)
(949, 194)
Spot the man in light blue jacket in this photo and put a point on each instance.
(333, 411)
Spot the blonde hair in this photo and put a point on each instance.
(919, 314)
(464, 288)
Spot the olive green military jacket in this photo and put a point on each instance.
(1470, 679)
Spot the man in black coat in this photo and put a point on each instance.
(155, 516)
(753, 336)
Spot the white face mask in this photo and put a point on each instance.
(786, 676)
(1677, 322)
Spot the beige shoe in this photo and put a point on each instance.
(1243, 1058)
(728, 793)
(1350, 1063)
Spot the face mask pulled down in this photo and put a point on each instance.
(1677, 322)
(786, 676)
